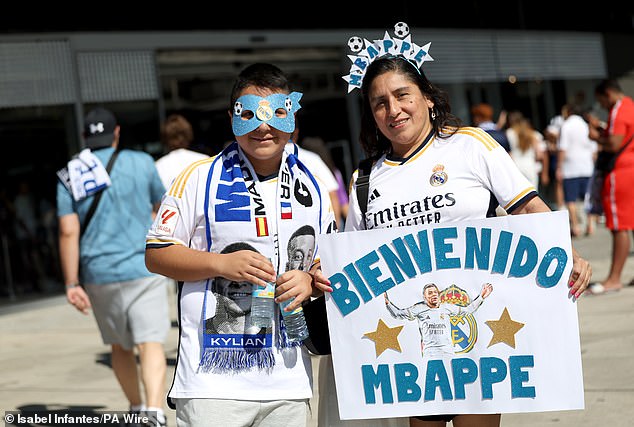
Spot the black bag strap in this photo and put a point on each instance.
(95, 200)
(363, 184)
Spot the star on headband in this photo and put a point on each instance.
(365, 52)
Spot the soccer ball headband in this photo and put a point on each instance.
(365, 52)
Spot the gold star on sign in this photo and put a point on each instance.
(504, 330)
(385, 337)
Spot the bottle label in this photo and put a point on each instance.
(288, 313)
(267, 292)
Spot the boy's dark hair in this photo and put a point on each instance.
(262, 75)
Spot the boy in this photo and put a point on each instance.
(256, 192)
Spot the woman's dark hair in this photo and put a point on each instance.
(262, 75)
(373, 142)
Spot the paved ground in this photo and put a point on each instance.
(51, 357)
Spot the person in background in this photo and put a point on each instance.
(27, 225)
(617, 191)
(257, 192)
(318, 167)
(318, 145)
(575, 165)
(482, 117)
(103, 261)
(409, 132)
(176, 137)
(528, 149)
(551, 136)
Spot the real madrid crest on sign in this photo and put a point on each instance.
(438, 176)
(464, 328)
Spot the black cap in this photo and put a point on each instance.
(99, 126)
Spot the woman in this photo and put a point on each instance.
(528, 149)
(461, 172)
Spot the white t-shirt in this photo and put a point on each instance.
(526, 161)
(578, 148)
(318, 168)
(462, 177)
(171, 164)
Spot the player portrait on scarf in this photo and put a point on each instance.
(233, 302)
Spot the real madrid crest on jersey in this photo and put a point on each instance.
(464, 328)
(438, 176)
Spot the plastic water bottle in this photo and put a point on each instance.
(296, 329)
(263, 305)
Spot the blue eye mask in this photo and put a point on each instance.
(263, 110)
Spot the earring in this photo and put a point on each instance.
(432, 114)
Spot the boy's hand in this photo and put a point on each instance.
(247, 266)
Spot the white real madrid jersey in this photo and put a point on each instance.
(464, 176)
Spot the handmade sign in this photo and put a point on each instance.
(468, 317)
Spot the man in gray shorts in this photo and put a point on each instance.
(129, 303)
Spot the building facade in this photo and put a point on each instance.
(48, 81)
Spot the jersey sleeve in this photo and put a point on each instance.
(399, 313)
(181, 212)
(456, 310)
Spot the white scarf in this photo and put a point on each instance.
(84, 175)
(236, 214)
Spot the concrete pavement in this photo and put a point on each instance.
(52, 358)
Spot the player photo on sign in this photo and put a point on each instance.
(442, 318)
(463, 318)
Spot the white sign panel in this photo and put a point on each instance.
(469, 317)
